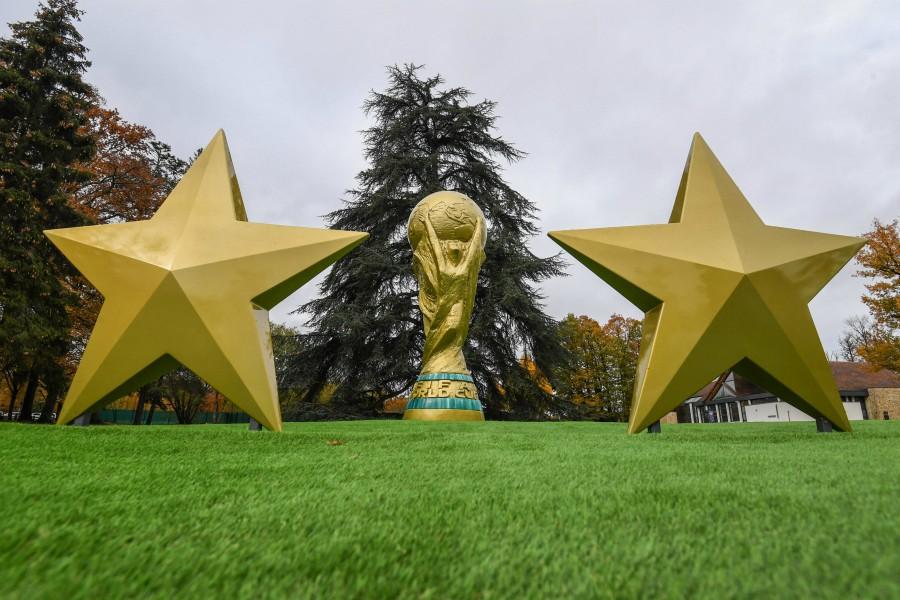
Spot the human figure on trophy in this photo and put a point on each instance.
(447, 233)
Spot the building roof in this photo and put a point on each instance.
(862, 376)
(849, 376)
(702, 392)
(733, 387)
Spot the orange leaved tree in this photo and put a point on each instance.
(598, 379)
(879, 343)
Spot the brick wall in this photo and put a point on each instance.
(672, 418)
(881, 400)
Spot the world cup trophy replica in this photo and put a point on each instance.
(447, 234)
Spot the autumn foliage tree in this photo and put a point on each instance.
(131, 173)
(877, 340)
(129, 177)
(598, 380)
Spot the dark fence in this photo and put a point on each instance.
(121, 416)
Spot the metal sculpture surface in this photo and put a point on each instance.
(193, 285)
(447, 233)
(720, 289)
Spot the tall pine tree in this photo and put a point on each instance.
(366, 329)
(43, 113)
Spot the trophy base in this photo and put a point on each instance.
(437, 414)
(444, 397)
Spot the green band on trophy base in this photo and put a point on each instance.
(445, 403)
(444, 397)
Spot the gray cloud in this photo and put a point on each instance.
(799, 101)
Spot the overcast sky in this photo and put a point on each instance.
(799, 100)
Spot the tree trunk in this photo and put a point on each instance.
(138, 411)
(49, 404)
(28, 398)
(13, 393)
(150, 413)
(139, 408)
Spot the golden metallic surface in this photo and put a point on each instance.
(447, 233)
(720, 289)
(193, 285)
(442, 415)
(444, 388)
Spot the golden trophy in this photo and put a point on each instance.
(447, 234)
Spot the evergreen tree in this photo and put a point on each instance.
(366, 329)
(43, 106)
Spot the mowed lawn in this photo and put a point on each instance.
(431, 510)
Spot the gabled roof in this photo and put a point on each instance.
(849, 376)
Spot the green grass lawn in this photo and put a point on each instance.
(431, 510)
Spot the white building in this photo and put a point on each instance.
(866, 394)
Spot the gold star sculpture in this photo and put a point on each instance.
(720, 289)
(192, 285)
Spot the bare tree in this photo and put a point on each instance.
(858, 334)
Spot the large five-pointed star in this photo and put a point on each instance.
(720, 289)
(193, 285)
